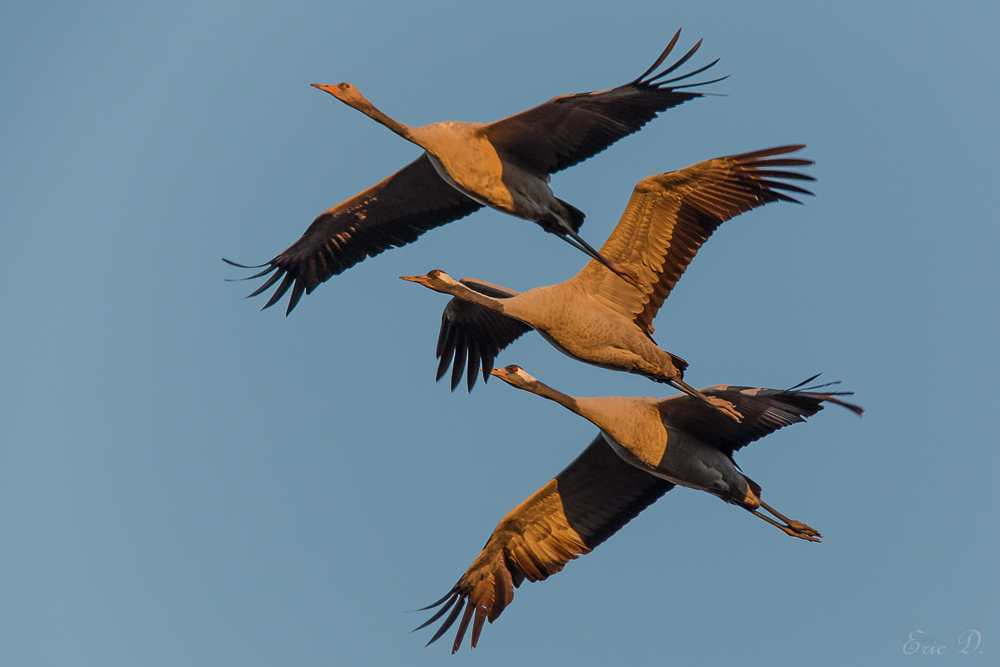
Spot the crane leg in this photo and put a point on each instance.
(790, 526)
(567, 234)
(723, 406)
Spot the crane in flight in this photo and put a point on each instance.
(595, 317)
(505, 165)
(646, 446)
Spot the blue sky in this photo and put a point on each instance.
(185, 480)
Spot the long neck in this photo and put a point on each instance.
(471, 295)
(372, 112)
(602, 412)
(545, 391)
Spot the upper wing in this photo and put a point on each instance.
(764, 412)
(583, 506)
(670, 216)
(571, 128)
(471, 331)
(390, 214)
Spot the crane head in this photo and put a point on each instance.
(436, 280)
(346, 93)
(513, 375)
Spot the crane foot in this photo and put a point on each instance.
(790, 526)
(802, 531)
(627, 274)
(725, 407)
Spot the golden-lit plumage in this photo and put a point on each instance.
(595, 317)
(505, 164)
(645, 447)
(584, 505)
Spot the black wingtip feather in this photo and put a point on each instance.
(443, 365)
(785, 162)
(270, 281)
(448, 621)
(278, 293)
(795, 388)
(701, 83)
(462, 627)
(474, 358)
(856, 409)
(663, 56)
(657, 81)
(440, 612)
(477, 625)
(450, 594)
(777, 196)
(487, 366)
(244, 266)
(830, 396)
(783, 186)
(297, 291)
(767, 152)
(778, 173)
(694, 73)
(447, 339)
(684, 59)
(458, 363)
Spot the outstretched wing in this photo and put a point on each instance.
(389, 214)
(471, 332)
(764, 412)
(670, 216)
(571, 128)
(583, 506)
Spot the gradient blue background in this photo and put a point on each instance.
(185, 480)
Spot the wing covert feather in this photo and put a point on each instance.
(669, 216)
(584, 505)
(764, 412)
(392, 213)
(568, 129)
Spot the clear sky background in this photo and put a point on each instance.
(185, 480)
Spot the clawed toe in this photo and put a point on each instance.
(725, 407)
(802, 531)
(789, 526)
(802, 536)
(628, 275)
(802, 528)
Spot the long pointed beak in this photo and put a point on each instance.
(324, 87)
(414, 279)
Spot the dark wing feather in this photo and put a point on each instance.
(764, 412)
(584, 505)
(469, 331)
(389, 214)
(670, 216)
(571, 128)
